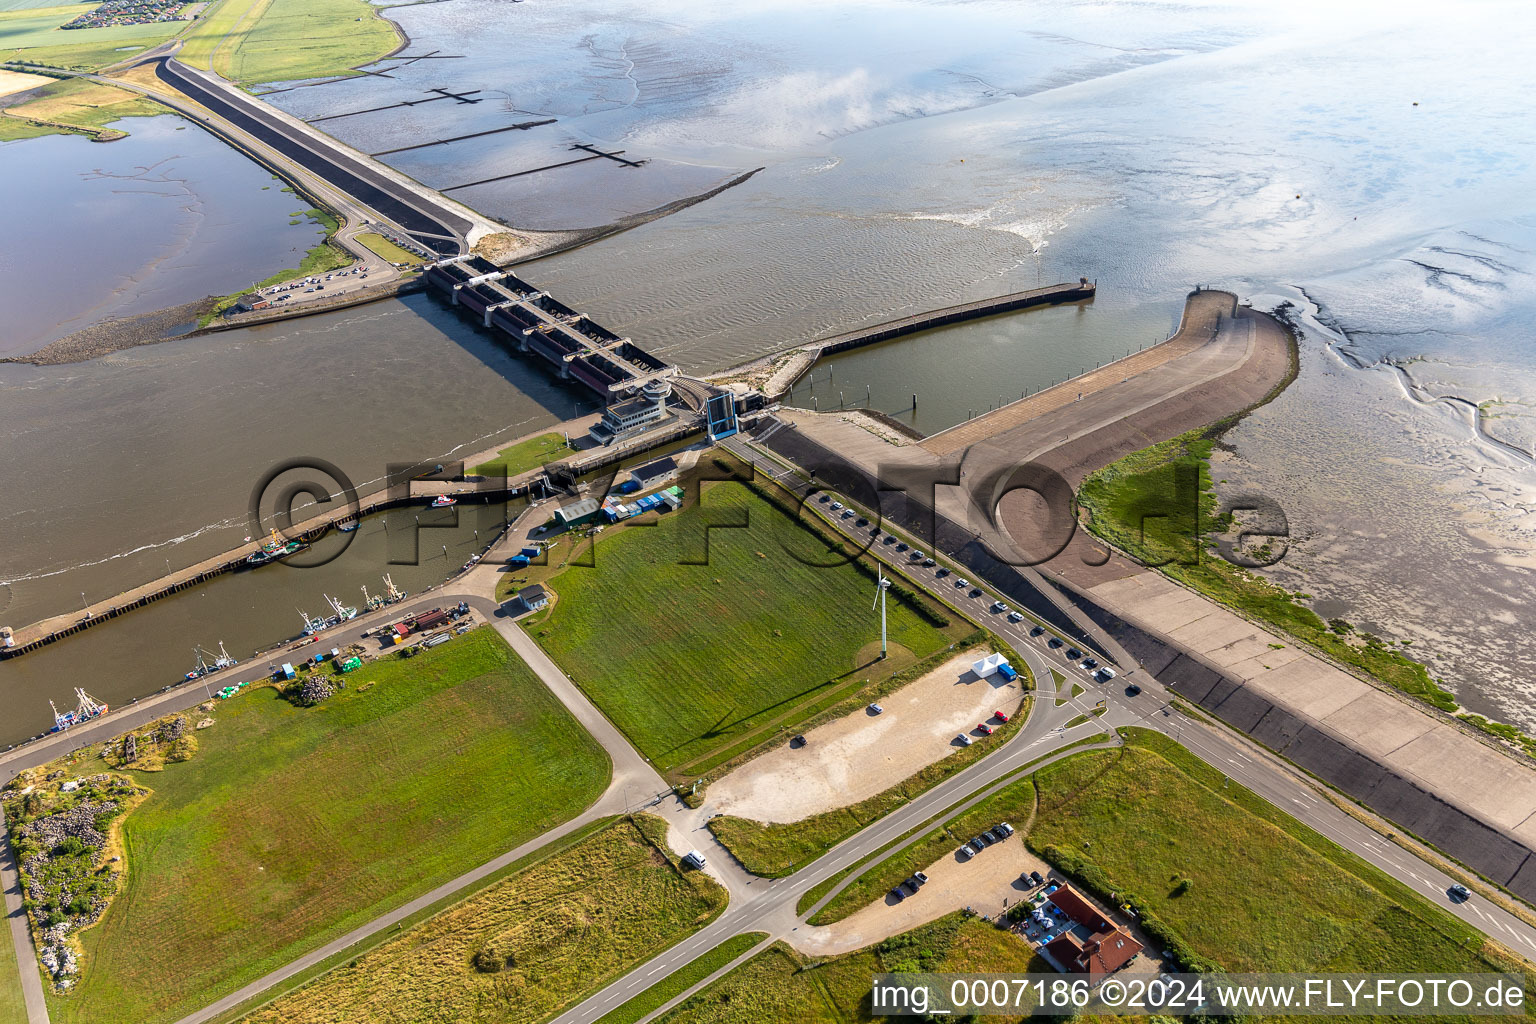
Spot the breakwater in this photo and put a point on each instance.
(779, 372)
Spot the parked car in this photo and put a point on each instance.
(1034, 876)
(876, 709)
(966, 849)
(922, 879)
(984, 729)
(964, 740)
(797, 741)
(1007, 828)
(910, 884)
(897, 894)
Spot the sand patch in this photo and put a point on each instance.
(861, 754)
(987, 883)
(12, 82)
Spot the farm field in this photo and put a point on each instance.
(292, 825)
(691, 636)
(776, 985)
(32, 34)
(520, 950)
(252, 41)
(1265, 892)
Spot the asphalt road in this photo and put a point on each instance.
(433, 224)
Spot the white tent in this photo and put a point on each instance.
(988, 665)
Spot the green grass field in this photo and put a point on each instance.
(388, 250)
(682, 979)
(251, 41)
(526, 947)
(1136, 505)
(33, 35)
(688, 658)
(773, 851)
(781, 985)
(1266, 893)
(291, 826)
(13, 1008)
(526, 455)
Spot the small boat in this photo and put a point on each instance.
(443, 501)
(273, 549)
(348, 527)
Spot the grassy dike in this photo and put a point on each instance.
(525, 948)
(1223, 878)
(1134, 505)
(251, 41)
(291, 826)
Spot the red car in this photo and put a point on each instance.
(986, 730)
(1001, 716)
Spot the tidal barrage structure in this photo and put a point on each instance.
(575, 346)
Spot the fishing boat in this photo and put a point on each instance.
(224, 660)
(273, 548)
(201, 668)
(443, 501)
(341, 613)
(87, 708)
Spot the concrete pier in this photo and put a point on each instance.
(800, 359)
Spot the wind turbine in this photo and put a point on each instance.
(880, 588)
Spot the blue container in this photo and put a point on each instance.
(531, 552)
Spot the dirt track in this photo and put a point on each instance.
(863, 754)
